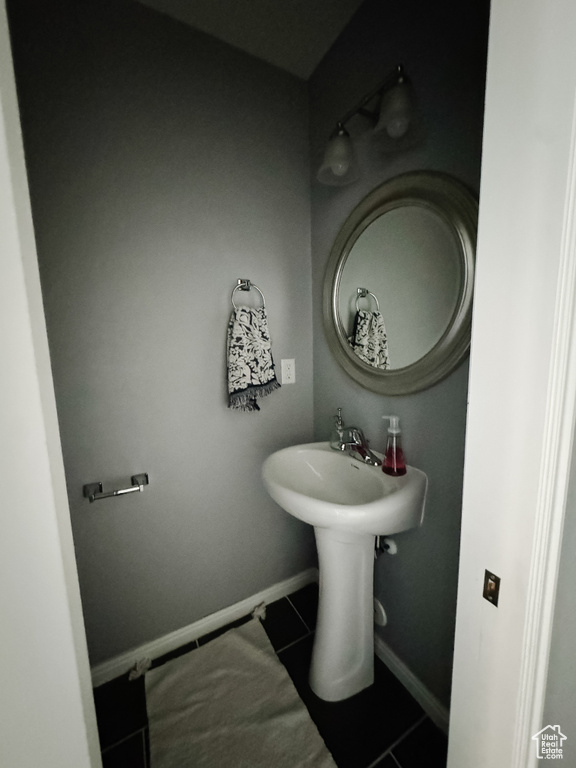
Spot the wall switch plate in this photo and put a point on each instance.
(491, 588)
(288, 371)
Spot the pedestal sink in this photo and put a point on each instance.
(348, 503)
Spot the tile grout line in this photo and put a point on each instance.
(144, 750)
(298, 614)
(388, 751)
(126, 738)
(293, 642)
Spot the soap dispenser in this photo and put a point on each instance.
(394, 462)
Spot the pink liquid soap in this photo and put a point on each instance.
(394, 462)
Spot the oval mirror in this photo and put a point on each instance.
(399, 282)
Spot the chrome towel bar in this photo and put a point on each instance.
(93, 491)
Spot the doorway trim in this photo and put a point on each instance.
(522, 390)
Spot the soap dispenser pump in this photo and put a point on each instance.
(394, 462)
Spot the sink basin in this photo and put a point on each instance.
(348, 503)
(330, 489)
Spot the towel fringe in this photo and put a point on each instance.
(246, 399)
(259, 611)
(140, 668)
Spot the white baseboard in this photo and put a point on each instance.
(436, 711)
(119, 665)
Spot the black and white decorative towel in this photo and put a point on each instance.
(369, 340)
(251, 372)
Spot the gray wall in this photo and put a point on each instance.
(443, 48)
(164, 165)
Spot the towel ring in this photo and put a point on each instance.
(363, 293)
(246, 285)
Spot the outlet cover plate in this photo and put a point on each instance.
(288, 368)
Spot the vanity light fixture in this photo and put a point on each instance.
(393, 120)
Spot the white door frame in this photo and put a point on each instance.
(522, 385)
(48, 709)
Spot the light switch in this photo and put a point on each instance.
(491, 587)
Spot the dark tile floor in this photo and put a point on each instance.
(381, 727)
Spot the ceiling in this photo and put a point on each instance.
(291, 34)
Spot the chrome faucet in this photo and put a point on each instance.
(352, 439)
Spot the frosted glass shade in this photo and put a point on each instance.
(399, 125)
(395, 111)
(339, 166)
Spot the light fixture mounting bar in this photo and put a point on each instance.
(391, 79)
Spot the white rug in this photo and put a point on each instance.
(230, 704)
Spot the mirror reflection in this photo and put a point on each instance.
(399, 286)
(369, 339)
(399, 282)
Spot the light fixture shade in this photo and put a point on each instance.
(339, 166)
(395, 111)
(399, 125)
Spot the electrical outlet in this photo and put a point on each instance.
(288, 371)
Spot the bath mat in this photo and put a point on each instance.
(230, 704)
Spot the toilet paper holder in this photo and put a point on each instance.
(93, 491)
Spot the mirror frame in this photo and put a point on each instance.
(458, 207)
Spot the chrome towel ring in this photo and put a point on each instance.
(246, 285)
(363, 293)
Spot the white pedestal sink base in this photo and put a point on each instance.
(343, 652)
(348, 502)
